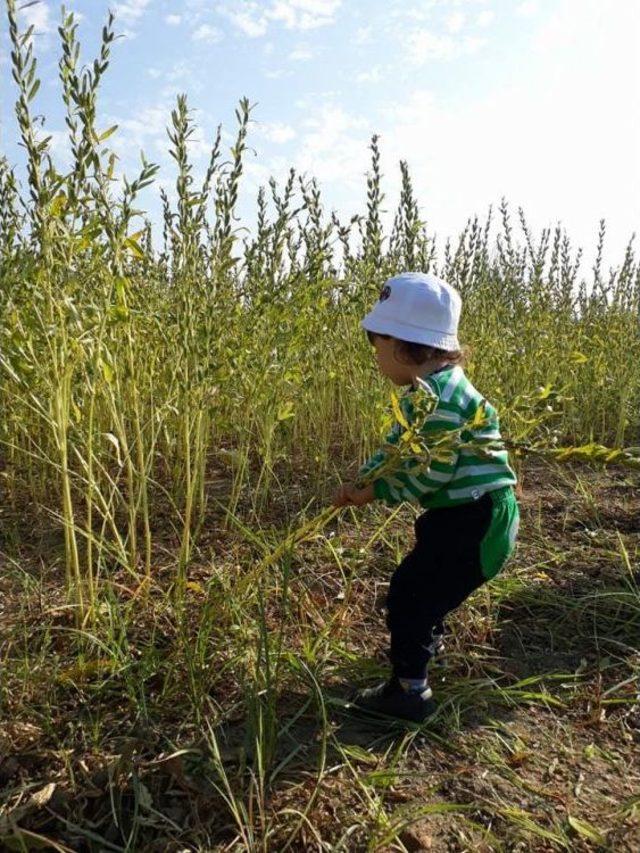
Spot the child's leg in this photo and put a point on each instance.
(456, 550)
(441, 571)
(437, 645)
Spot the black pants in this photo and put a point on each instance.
(434, 578)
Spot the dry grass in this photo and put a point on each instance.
(171, 736)
(175, 404)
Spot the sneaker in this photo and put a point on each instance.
(390, 699)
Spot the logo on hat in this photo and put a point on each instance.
(385, 293)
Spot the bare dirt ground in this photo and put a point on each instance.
(166, 734)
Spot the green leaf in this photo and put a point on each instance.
(112, 166)
(586, 830)
(34, 90)
(133, 246)
(359, 754)
(286, 411)
(578, 357)
(397, 411)
(121, 290)
(144, 795)
(544, 392)
(107, 133)
(119, 313)
(107, 372)
(58, 204)
(480, 417)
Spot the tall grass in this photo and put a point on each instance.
(140, 369)
(174, 398)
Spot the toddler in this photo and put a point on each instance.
(468, 529)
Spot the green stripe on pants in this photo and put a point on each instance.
(500, 539)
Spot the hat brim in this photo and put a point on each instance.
(412, 334)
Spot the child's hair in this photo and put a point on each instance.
(411, 353)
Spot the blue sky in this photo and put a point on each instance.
(536, 100)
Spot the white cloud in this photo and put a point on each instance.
(301, 54)
(333, 146)
(423, 45)
(254, 18)
(130, 11)
(146, 129)
(180, 71)
(181, 77)
(485, 17)
(455, 22)
(59, 145)
(173, 20)
(199, 144)
(372, 75)
(364, 35)
(304, 14)
(562, 140)
(37, 17)
(560, 137)
(276, 132)
(252, 23)
(207, 34)
(527, 9)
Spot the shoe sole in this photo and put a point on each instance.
(353, 709)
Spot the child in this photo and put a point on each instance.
(468, 530)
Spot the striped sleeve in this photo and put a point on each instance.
(465, 473)
(410, 482)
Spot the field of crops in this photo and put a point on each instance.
(176, 402)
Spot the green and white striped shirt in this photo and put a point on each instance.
(466, 476)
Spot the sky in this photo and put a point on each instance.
(537, 101)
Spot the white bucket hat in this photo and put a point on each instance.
(417, 307)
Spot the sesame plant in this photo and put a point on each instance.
(180, 400)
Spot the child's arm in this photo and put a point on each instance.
(410, 481)
(350, 495)
(407, 478)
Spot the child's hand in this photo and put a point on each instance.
(349, 495)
